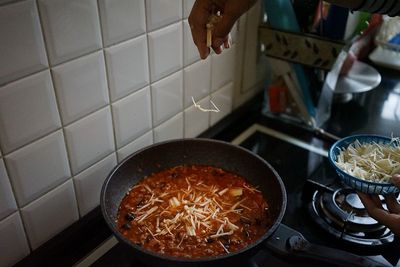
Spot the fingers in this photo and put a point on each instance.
(391, 201)
(392, 221)
(198, 19)
(227, 42)
(392, 204)
(375, 209)
(221, 32)
(231, 10)
(396, 180)
(370, 201)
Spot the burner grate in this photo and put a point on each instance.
(339, 212)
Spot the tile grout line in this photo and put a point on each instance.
(63, 182)
(182, 69)
(91, 52)
(57, 100)
(24, 226)
(84, 54)
(210, 91)
(80, 118)
(149, 70)
(105, 66)
(183, 99)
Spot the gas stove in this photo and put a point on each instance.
(321, 218)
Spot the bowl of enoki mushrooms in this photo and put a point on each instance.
(367, 162)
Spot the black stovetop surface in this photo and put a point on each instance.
(375, 112)
(295, 165)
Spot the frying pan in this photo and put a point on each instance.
(279, 239)
(193, 151)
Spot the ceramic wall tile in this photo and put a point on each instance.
(7, 200)
(190, 52)
(28, 110)
(197, 121)
(160, 13)
(171, 129)
(187, 7)
(13, 243)
(167, 97)
(22, 46)
(165, 51)
(121, 19)
(222, 68)
(89, 182)
(140, 142)
(132, 116)
(71, 28)
(223, 100)
(38, 167)
(50, 214)
(81, 86)
(127, 66)
(90, 139)
(197, 79)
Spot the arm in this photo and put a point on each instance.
(231, 10)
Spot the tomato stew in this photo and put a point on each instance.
(193, 211)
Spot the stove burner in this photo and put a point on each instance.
(342, 214)
(346, 210)
(354, 201)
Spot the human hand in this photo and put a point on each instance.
(390, 218)
(230, 11)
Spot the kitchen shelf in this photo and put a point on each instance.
(306, 49)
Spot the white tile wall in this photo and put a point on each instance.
(127, 65)
(90, 139)
(71, 28)
(197, 79)
(171, 129)
(132, 116)
(122, 75)
(197, 121)
(167, 95)
(13, 243)
(81, 86)
(165, 51)
(45, 162)
(187, 7)
(7, 201)
(28, 110)
(141, 142)
(121, 19)
(50, 214)
(21, 46)
(162, 12)
(89, 182)
(223, 100)
(223, 68)
(190, 52)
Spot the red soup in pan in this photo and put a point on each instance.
(193, 211)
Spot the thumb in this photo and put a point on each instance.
(396, 180)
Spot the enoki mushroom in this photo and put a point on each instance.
(216, 109)
(210, 26)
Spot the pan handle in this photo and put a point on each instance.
(286, 241)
